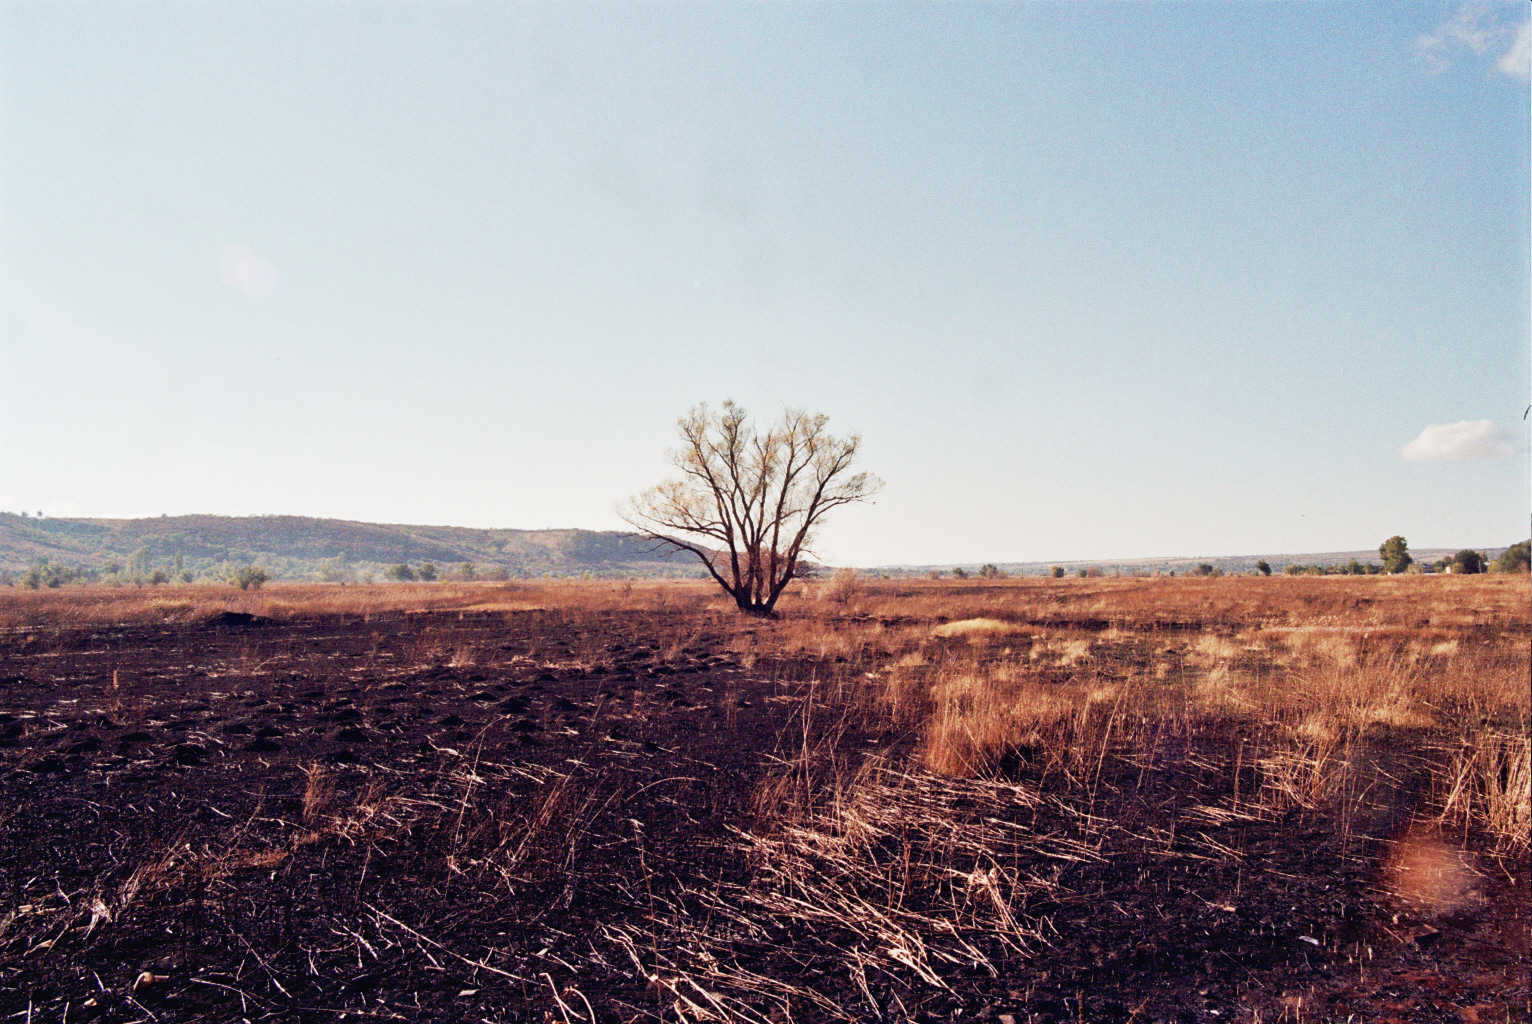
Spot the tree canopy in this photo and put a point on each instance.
(1516, 558)
(1469, 562)
(1395, 553)
(747, 500)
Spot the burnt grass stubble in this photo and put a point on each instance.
(542, 817)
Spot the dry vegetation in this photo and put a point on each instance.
(955, 785)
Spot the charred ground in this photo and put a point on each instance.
(622, 806)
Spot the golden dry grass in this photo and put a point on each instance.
(83, 604)
(1062, 668)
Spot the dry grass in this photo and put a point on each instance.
(978, 718)
(975, 627)
(1064, 672)
(1488, 783)
(287, 601)
(1053, 669)
(1012, 700)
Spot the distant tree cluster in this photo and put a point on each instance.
(404, 572)
(52, 574)
(1466, 562)
(1351, 568)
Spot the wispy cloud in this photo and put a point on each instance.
(248, 271)
(1484, 32)
(1469, 439)
(1517, 61)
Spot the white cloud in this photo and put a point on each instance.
(1483, 31)
(1517, 61)
(1470, 439)
(247, 270)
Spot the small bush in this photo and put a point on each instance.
(248, 577)
(841, 587)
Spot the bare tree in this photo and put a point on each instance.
(747, 502)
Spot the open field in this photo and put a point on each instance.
(1103, 800)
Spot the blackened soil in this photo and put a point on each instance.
(536, 817)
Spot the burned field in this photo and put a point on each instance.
(1093, 800)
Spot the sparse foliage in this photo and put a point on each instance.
(841, 587)
(748, 501)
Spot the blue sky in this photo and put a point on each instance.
(1091, 280)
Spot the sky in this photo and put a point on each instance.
(1091, 280)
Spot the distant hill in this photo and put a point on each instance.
(298, 547)
(304, 548)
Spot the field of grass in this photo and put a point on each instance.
(943, 790)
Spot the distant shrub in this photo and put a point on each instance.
(427, 572)
(249, 577)
(959, 573)
(401, 572)
(1057, 572)
(841, 587)
(1263, 567)
(1516, 558)
(991, 571)
(51, 575)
